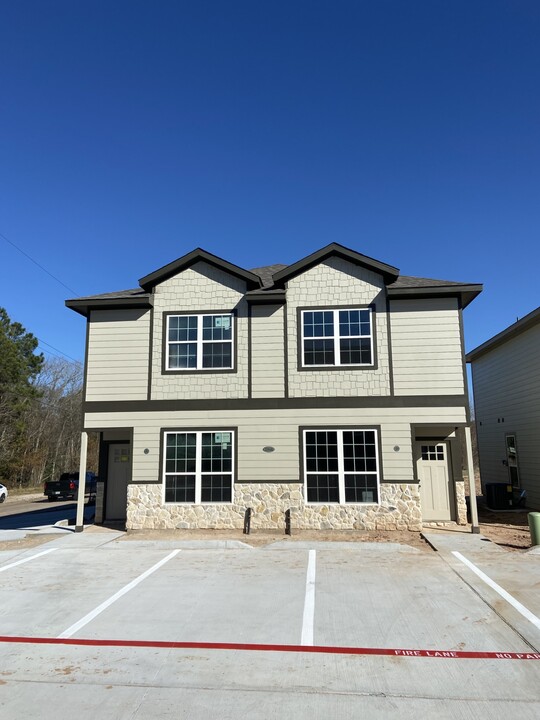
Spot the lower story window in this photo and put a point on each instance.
(341, 466)
(198, 466)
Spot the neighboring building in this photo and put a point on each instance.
(506, 383)
(329, 388)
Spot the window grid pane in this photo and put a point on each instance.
(200, 342)
(337, 337)
(347, 454)
(198, 464)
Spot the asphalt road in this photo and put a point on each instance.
(21, 512)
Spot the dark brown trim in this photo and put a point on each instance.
(104, 448)
(188, 429)
(285, 354)
(464, 293)
(390, 350)
(464, 363)
(332, 368)
(85, 371)
(198, 255)
(205, 371)
(83, 307)
(150, 354)
(265, 297)
(389, 272)
(203, 405)
(250, 353)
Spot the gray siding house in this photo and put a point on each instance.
(506, 383)
(333, 387)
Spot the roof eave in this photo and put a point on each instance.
(389, 272)
(83, 307)
(466, 293)
(199, 255)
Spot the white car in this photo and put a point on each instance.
(3, 493)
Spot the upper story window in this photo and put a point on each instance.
(199, 342)
(336, 338)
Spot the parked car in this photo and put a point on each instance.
(68, 486)
(3, 493)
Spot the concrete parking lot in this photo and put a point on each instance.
(94, 624)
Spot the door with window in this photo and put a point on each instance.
(436, 486)
(118, 477)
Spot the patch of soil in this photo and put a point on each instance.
(26, 543)
(258, 538)
(510, 530)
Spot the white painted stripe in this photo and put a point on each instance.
(104, 605)
(502, 592)
(33, 557)
(309, 602)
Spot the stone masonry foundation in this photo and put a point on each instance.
(399, 509)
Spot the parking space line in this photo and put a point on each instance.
(498, 589)
(104, 605)
(309, 602)
(25, 560)
(257, 647)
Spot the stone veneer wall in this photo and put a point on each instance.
(399, 510)
(461, 505)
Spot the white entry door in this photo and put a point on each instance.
(118, 477)
(436, 487)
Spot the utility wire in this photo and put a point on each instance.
(71, 290)
(42, 342)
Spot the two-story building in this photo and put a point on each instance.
(333, 387)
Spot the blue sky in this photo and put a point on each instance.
(133, 132)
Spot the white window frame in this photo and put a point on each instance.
(336, 337)
(199, 342)
(198, 466)
(341, 466)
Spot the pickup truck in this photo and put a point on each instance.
(68, 486)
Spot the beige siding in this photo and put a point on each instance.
(199, 289)
(507, 401)
(338, 283)
(268, 351)
(427, 354)
(279, 429)
(118, 350)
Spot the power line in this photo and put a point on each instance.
(71, 290)
(42, 342)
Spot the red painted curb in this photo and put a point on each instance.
(170, 644)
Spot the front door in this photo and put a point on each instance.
(118, 477)
(436, 488)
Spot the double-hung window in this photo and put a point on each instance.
(336, 338)
(198, 466)
(341, 466)
(199, 342)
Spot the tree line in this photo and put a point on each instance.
(40, 410)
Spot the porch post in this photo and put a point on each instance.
(79, 524)
(472, 483)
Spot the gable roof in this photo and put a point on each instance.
(266, 283)
(198, 255)
(530, 320)
(389, 272)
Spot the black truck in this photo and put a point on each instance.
(68, 486)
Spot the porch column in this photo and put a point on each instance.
(79, 523)
(472, 483)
